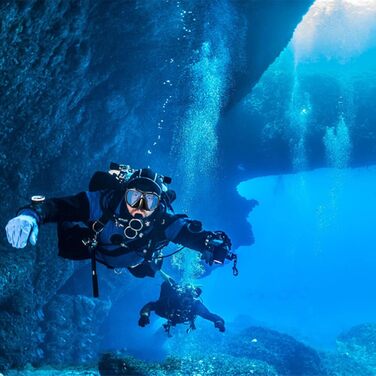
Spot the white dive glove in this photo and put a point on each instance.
(21, 229)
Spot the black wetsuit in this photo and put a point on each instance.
(179, 307)
(76, 214)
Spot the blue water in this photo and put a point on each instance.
(311, 271)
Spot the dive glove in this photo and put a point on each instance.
(144, 320)
(220, 325)
(207, 256)
(21, 229)
(217, 245)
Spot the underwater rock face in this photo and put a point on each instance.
(217, 364)
(29, 279)
(117, 364)
(341, 364)
(286, 354)
(49, 371)
(256, 351)
(355, 354)
(359, 344)
(71, 329)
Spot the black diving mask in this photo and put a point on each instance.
(148, 201)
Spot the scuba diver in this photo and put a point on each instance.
(123, 221)
(179, 305)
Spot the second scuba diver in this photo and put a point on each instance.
(179, 304)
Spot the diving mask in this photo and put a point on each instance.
(143, 200)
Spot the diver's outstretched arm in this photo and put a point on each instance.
(69, 208)
(147, 308)
(190, 234)
(202, 311)
(25, 226)
(145, 314)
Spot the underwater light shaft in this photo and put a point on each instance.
(336, 29)
(370, 4)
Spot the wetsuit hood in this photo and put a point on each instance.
(146, 180)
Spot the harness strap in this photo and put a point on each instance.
(108, 211)
(94, 276)
(97, 227)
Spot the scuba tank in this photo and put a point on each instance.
(114, 178)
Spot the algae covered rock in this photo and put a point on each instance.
(219, 364)
(28, 279)
(355, 355)
(359, 344)
(72, 329)
(50, 371)
(286, 354)
(342, 364)
(113, 364)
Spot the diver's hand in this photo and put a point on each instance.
(220, 325)
(221, 239)
(218, 245)
(207, 256)
(144, 320)
(21, 229)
